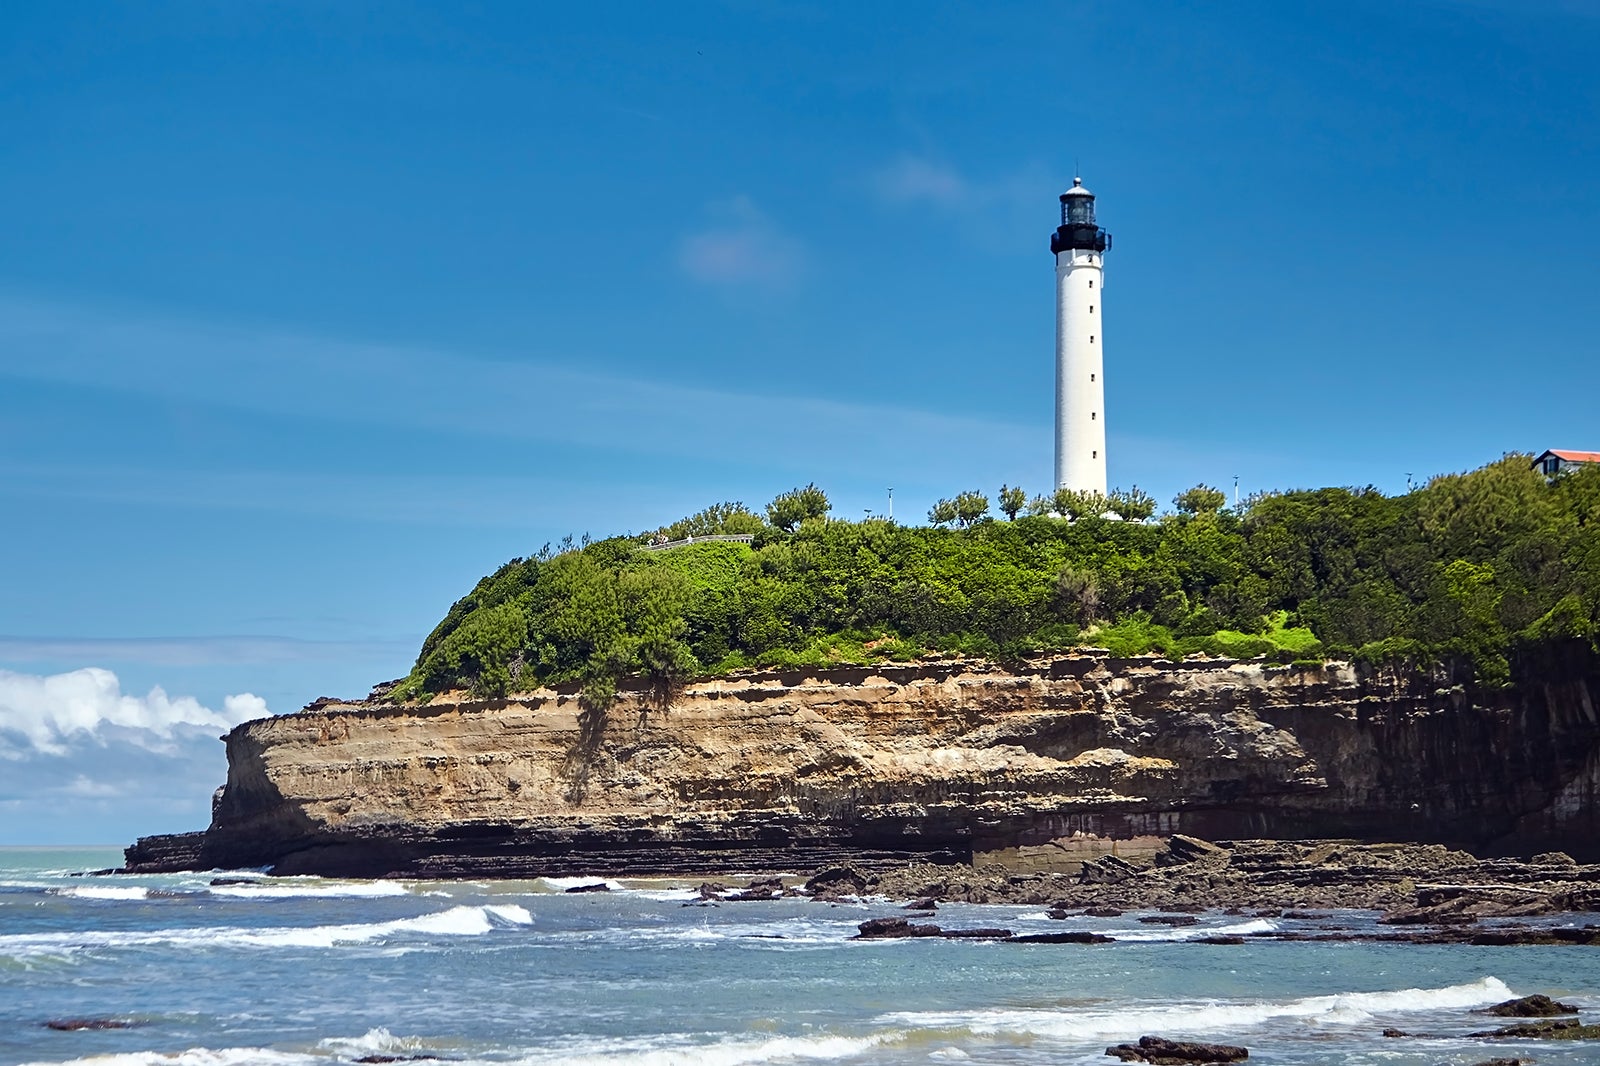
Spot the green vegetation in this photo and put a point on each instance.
(1472, 567)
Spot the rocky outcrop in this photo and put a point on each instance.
(1039, 767)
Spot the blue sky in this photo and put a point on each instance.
(311, 314)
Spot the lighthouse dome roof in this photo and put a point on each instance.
(1077, 190)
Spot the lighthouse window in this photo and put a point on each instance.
(1091, 338)
(1094, 455)
(1091, 377)
(1091, 309)
(1091, 283)
(1093, 416)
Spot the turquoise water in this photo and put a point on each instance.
(303, 972)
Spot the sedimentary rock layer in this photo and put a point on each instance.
(1036, 765)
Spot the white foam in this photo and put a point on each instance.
(723, 1053)
(274, 890)
(195, 1056)
(377, 1041)
(1158, 934)
(457, 921)
(1345, 1008)
(561, 884)
(103, 891)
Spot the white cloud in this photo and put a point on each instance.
(910, 180)
(742, 247)
(45, 715)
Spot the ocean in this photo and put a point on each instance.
(315, 972)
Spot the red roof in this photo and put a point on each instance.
(1573, 457)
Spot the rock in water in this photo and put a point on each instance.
(1559, 1029)
(1535, 1006)
(837, 881)
(598, 886)
(893, 929)
(73, 1025)
(1164, 1052)
(1076, 936)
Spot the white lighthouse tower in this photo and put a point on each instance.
(1080, 246)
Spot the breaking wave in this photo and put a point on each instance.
(123, 892)
(278, 890)
(1345, 1008)
(457, 921)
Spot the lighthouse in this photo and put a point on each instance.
(1080, 245)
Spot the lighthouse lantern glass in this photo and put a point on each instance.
(1080, 211)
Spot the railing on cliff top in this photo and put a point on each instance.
(742, 538)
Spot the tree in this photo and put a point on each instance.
(796, 506)
(1202, 499)
(1012, 500)
(1076, 504)
(1040, 506)
(718, 519)
(1134, 505)
(970, 507)
(1078, 595)
(943, 513)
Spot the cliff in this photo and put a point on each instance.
(1038, 765)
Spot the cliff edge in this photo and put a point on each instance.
(1037, 765)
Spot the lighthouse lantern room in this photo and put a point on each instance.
(1079, 245)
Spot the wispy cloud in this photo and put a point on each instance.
(281, 373)
(742, 247)
(50, 714)
(910, 180)
(996, 211)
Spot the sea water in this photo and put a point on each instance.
(317, 972)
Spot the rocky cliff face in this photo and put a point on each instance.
(1038, 766)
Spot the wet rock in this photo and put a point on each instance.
(398, 1058)
(1503, 1062)
(1392, 1033)
(1059, 914)
(1170, 919)
(598, 886)
(218, 882)
(74, 1025)
(1164, 1052)
(1103, 912)
(1535, 1006)
(710, 891)
(922, 905)
(1228, 941)
(1560, 1029)
(1076, 936)
(758, 890)
(893, 929)
(981, 933)
(836, 882)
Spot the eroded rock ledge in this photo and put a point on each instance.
(1037, 766)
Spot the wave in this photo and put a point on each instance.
(1194, 1018)
(561, 884)
(195, 1056)
(723, 1053)
(457, 921)
(123, 892)
(1158, 935)
(276, 890)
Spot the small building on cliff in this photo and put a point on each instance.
(1560, 460)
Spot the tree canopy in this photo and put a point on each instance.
(1471, 566)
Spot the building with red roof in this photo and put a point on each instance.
(1560, 460)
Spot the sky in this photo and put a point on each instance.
(311, 314)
